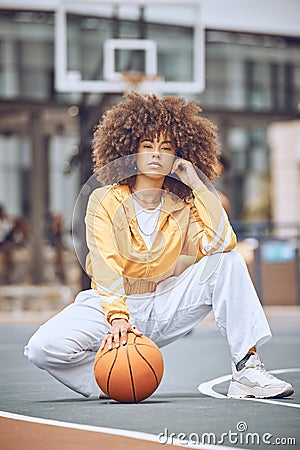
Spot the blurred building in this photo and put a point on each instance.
(252, 79)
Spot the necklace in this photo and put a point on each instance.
(152, 212)
(145, 202)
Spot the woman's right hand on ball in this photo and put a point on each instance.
(118, 333)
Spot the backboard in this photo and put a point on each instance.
(101, 44)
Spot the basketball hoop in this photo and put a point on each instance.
(139, 57)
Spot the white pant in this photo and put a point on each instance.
(65, 346)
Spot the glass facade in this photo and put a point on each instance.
(252, 72)
(26, 55)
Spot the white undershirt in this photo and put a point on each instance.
(147, 221)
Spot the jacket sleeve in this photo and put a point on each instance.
(104, 262)
(209, 224)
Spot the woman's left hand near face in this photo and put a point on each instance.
(186, 172)
(118, 333)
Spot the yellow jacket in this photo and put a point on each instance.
(119, 262)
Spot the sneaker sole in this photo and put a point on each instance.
(238, 390)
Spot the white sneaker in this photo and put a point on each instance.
(254, 381)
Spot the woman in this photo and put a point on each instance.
(161, 251)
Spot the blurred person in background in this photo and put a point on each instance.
(14, 233)
(55, 234)
(5, 245)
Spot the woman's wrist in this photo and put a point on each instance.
(117, 315)
(120, 320)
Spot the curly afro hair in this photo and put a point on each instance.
(119, 132)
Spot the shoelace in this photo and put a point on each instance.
(261, 367)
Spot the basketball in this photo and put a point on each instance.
(130, 373)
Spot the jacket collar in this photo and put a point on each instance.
(171, 202)
(123, 194)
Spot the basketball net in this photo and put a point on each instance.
(136, 81)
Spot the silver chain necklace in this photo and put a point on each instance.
(156, 222)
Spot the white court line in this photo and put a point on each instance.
(114, 432)
(208, 389)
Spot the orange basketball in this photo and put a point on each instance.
(131, 372)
